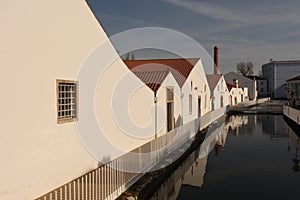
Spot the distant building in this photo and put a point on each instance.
(261, 85)
(219, 92)
(237, 94)
(293, 90)
(190, 77)
(243, 81)
(276, 73)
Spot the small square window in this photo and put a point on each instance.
(67, 101)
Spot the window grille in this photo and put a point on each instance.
(66, 101)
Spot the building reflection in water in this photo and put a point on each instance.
(192, 170)
(235, 122)
(291, 131)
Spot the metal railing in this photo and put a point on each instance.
(112, 179)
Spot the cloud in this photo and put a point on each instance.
(259, 13)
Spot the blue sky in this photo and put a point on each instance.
(256, 30)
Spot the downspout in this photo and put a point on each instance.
(155, 115)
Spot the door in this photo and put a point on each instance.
(221, 102)
(170, 108)
(199, 106)
(170, 116)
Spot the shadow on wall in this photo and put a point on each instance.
(104, 160)
(178, 121)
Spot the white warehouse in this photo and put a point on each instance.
(277, 72)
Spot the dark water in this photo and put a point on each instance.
(251, 157)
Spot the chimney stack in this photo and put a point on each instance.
(216, 60)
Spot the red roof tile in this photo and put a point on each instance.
(212, 80)
(179, 67)
(229, 86)
(153, 79)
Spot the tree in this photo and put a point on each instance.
(245, 68)
(129, 56)
(259, 73)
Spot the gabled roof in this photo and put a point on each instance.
(213, 80)
(294, 78)
(153, 79)
(230, 86)
(179, 67)
(240, 77)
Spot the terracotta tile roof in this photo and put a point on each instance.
(213, 80)
(179, 67)
(294, 78)
(229, 86)
(153, 79)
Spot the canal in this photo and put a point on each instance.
(250, 157)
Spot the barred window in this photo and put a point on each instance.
(66, 101)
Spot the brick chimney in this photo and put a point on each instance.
(216, 60)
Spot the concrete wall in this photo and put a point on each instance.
(292, 113)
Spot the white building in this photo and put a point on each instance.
(191, 79)
(293, 90)
(43, 45)
(166, 92)
(276, 73)
(261, 85)
(196, 94)
(237, 94)
(219, 92)
(243, 81)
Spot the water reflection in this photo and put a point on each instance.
(247, 152)
(293, 143)
(192, 170)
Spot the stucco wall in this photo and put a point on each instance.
(220, 90)
(236, 93)
(243, 82)
(42, 41)
(200, 89)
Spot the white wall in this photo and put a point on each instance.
(42, 41)
(237, 93)
(162, 101)
(198, 78)
(262, 88)
(220, 90)
(243, 82)
(277, 73)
